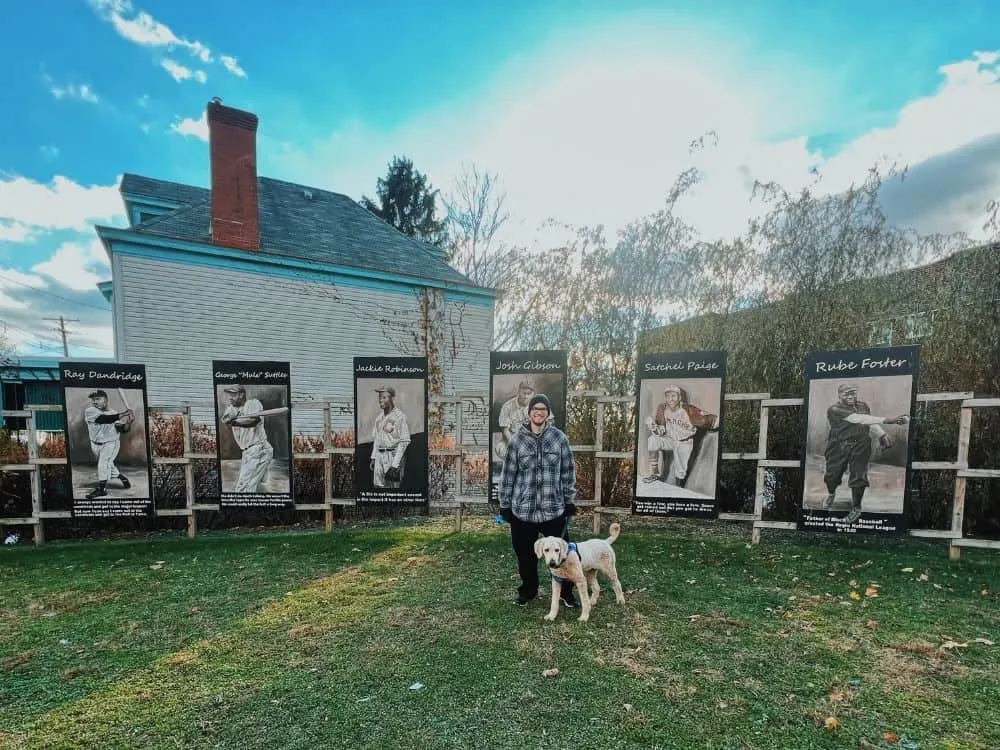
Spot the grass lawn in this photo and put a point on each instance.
(403, 636)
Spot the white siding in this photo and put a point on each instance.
(176, 318)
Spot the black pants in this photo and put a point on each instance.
(851, 456)
(523, 535)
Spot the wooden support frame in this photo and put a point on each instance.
(462, 500)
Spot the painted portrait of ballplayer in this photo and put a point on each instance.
(513, 393)
(854, 439)
(674, 434)
(105, 427)
(243, 416)
(390, 439)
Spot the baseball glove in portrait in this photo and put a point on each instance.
(392, 474)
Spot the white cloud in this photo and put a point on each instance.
(191, 127)
(13, 284)
(232, 66)
(181, 73)
(60, 204)
(140, 28)
(14, 231)
(79, 92)
(594, 131)
(76, 266)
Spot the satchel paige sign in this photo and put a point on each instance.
(254, 428)
(857, 449)
(107, 443)
(390, 422)
(679, 415)
(514, 378)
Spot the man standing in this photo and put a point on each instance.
(513, 414)
(390, 438)
(105, 428)
(849, 445)
(673, 431)
(249, 434)
(537, 493)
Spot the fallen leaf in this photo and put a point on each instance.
(417, 686)
(837, 696)
(922, 577)
(852, 583)
(550, 672)
(831, 724)
(984, 592)
(871, 591)
(948, 645)
(890, 738)
(855, 595)
(984, 641)
(629, 707)
(871, 624)
(907, 570)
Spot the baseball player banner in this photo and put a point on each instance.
(390, 422)
(679, 404)
(254, 434)
(514, 378)
(107, 439)
(856, 456)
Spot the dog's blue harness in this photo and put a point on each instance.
(572, 548)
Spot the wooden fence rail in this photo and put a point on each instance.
(462, 500)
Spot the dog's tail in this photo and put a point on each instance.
(614, 531)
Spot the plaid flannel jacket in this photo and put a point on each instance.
(538, 477)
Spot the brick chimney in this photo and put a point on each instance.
(232, 144)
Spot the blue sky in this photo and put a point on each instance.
(585, 109)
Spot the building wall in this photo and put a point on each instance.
(177, 317)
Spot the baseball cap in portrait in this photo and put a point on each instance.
(234, 389)
(844, 388)
(385, 389)
(95, 394)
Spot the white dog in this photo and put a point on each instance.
(579, 563)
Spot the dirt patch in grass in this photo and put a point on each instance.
(8, 665)
(64, 602)
(900, 668)
(73, 672)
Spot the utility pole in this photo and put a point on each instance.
(62, 330)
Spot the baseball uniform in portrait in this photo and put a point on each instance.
(104, 441)
(390, 438)
(252, 441)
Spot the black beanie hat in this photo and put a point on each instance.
(540, 398)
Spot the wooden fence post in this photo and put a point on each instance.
(758, 495)
(958, 503)
(192, 519)
(327, 468)
(36, 479)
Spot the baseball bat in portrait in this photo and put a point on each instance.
(121, 395)
(270, 412)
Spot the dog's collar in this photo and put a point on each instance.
(571, 548)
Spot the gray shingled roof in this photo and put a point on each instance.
(322, 227)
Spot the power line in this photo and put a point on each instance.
(53, 294)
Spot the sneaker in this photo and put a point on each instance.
(853, 516)
(569, 600)
(124, 480)
(95, 493)
(522, 600)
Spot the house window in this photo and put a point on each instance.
(13, 400)
(918, 326)
(880, 332)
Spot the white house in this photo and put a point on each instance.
(257, 268)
